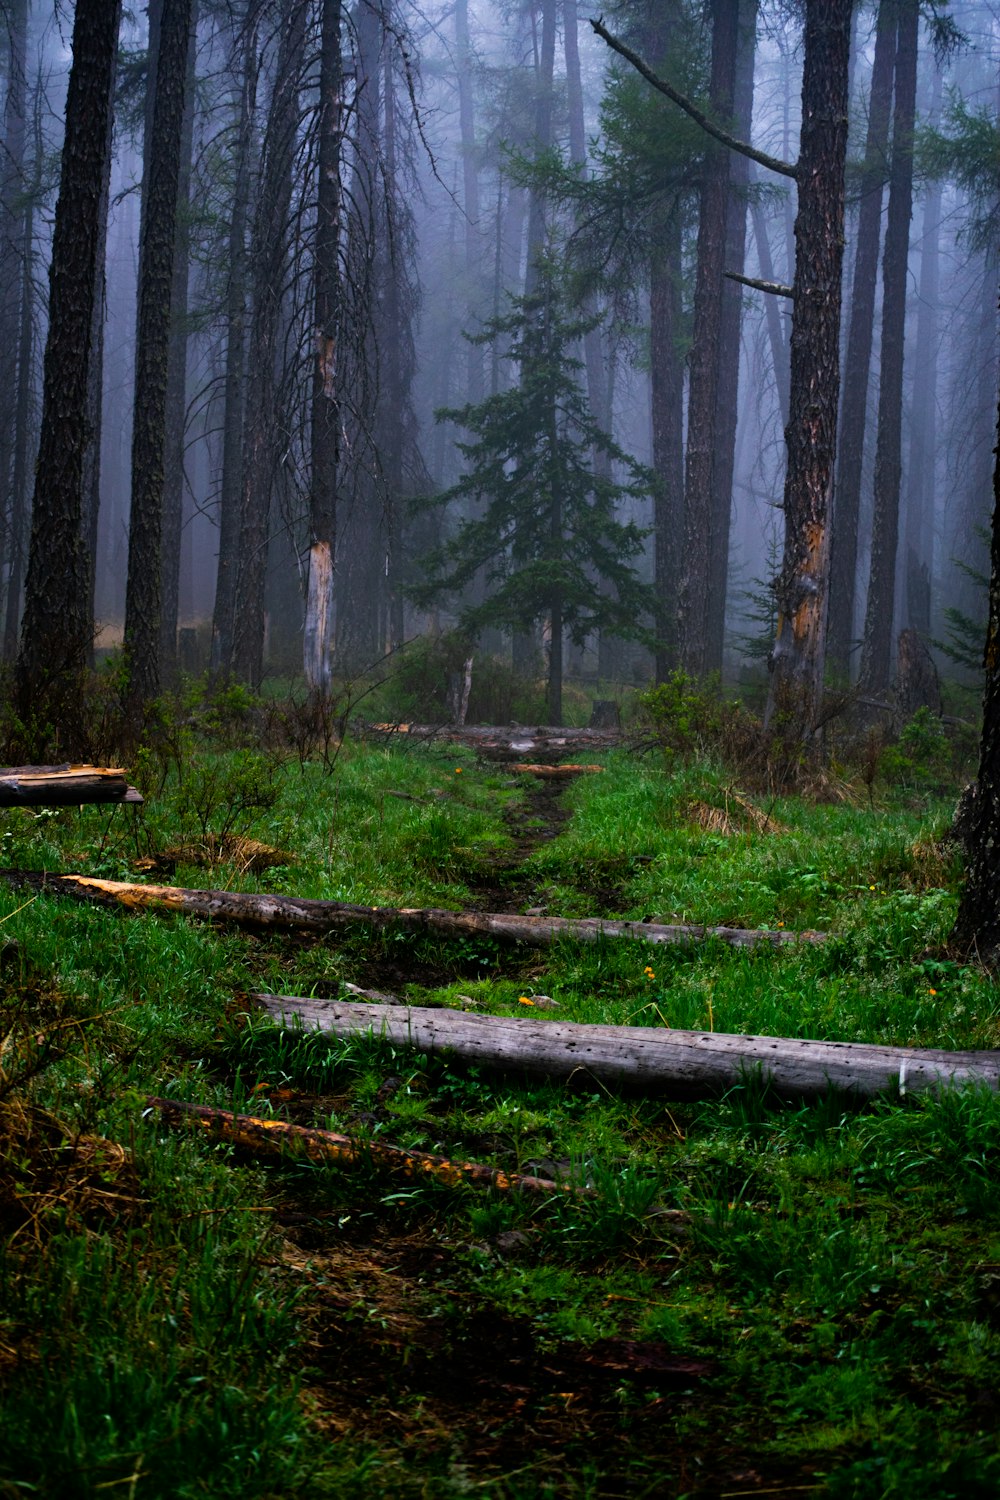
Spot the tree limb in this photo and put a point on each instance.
(776, 288)
(772, 163)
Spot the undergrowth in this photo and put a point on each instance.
(737, 1295)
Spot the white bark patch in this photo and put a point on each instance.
(318, 636)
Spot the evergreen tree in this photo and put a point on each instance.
(543, 530)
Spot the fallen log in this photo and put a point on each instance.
(305, 914)
(278, 1136)
(689, 1064)
(497, 740)
(566, 769)
(63, 786)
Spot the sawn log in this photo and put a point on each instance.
(299, 912)
(679, 1064)
(63, 786)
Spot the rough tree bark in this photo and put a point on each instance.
(173, 486)
(227, 602)
(977, 926)
(857, 361)
(876, 650)
(683, 1064)
(800, 588)
(268, 268)
(57, 628)
(731, 316)
(325, 435)
(15, 302)
(709, 294)
(920, 474)
(156, 266)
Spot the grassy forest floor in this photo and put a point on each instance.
(757, 1297)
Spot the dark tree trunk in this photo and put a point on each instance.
(700, 541)
(772, 306)
(727, 383)
(269, 258)
(876, 654)
(977, 927)
(12, 253)
(800, 588)
(57, 628)
(857, 363)
(227, 604)
(543, 136)
(923, 423)
(325, 435)
(22, 429)
(15, 287)
(173, 484)
(470, 196)
(666, 371)
(156, 268)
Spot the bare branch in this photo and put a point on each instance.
(772, 163)
(776, 288)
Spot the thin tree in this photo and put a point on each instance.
(857, 361)
(156, 267)
(57, 628)
(268, 272)
(325, 426)
(876, 650)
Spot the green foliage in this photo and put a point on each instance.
(545, 532)
(690, 718)
(185, 1321)
(923, 757)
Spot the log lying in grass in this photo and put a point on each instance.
(689, 1064)
(277, 1136)
(500, 740)
(566, 769)
(298, 912)
(63, 786)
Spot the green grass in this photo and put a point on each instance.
(177, 1320)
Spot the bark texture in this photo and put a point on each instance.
(857, 362)
(57, 628)
(800, 588)
(156, 269)
(876, 651)
(332, 916)
(977, 927)
(689, 1064)
(325, 435)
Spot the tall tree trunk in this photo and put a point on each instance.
(22, 426)
(772, 308)
(977, 926)
(470, 197)
(666, 371)
(700, 541)
(857, 363)
(876, 651)
(325, 435)
(227, 604)
(12, 252)
(173, 485)
(57, 630)
(15, 250)
(543, 137)
(397, 389)
(156, 266)
(269, 258)
(919, 567)
(800, 588)
(728, 374)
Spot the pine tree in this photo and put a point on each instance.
(544, 531)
